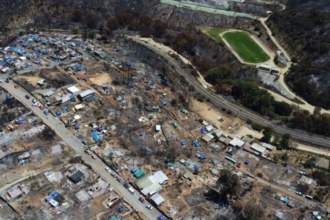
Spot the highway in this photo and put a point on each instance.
(72, 141)
(220, 102)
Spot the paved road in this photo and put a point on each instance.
(240, 112)
(78, 147)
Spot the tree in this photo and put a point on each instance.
(252, 211)
(237, 206)
(220, 72)
(91, 20)
(285, 157)
(124, 19)
(159, 28)
(230, 183)
(267, 135)
(77, 15)
(113, 23)
(174, 102)
(285, 141)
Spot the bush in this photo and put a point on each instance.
(223, 109)
(249, 121)
(260, 175)
(228, 112)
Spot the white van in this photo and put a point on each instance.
(131, 190)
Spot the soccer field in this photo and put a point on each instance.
(246, 47)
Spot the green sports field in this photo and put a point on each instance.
(246, 47)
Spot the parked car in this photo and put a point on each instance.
(41, 107)
(94, 157)
(107, 169)
(113, 174)
(15, 86)
(46, 112)
(27, 96)
(148, 206)
(88, 152)
(126, 185)
(119, 179)
(34, 101)
(142, 199)
(299, 193)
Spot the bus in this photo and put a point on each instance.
(230, 159)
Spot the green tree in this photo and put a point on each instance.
(230, 183)
(267, 132)
(285, 142)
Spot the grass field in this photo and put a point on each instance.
(246, 47)
(213, 32)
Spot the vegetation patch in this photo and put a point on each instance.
(246, 47)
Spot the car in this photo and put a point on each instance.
(88, 152)
(41, 107)
(107, 169)
(113, 174)
(299, 193)
(148, 206)
(78, 78)
(46, 112)
(34, 101)
(126, 185)
(142, 199)
(238, 165)
(119, 179)
(15, 86)
(27, 96)
(94, 157)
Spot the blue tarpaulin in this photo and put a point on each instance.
(203, 130)
(7, 51)
(247, 162)
(286, 200)
(8, 97)
(73, 54)
(197, 145)
(110, 59)
(141, 133)
(21, 52)
(129, 64)
(77, 126)
(121, 208)
(44, 42)
(25, 44)
(183, 143)
(196, 167)
(201, 156)
(132, 85)
(133, 170)
(161, 217)
(85, 79)
(293, 188)
(71, 96)
(21, 121)
(116, 63)
(99, 129)
(37, 59)
(95, 136)
(15, 48)
(79, 66)
(37, 40)
(164, 103)
(58, 113)
(9, 59)
(117, 49)
(45, 51)
(29, 56)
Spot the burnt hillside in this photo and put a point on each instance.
(304, 30)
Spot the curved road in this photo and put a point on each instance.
(241, 112)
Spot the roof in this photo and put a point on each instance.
(76, 177)
(139, 173)
(66, 98)
(79, 106)
(268, 146)
(47, 93)
(258, 148)
(207, 138)
(144, 182)
(161, 177)
(209, 128)
(152, 189)
(157, 127)
(15, 192)
(86, 93)
(73, 89)
(322, 163)
(59, 198)
(188, 175)
(158, 199)
(237, 142)
(218, 133)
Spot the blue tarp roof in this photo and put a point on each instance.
(132, 85)
(134, 169)
(197, 144)
(110, 59)
(37, 59)
(8, 96)
(183, 142)
(25, 44)
(71, 96)
(58, 113)
(292, 187)
(120, 208)
(44, 42)
(95, 136)
(15, 48)
(51, 196)
(21, 121)
(286, 200)
(9, 59)
(77, 126)
(201, 155)
(164, 103)
(117, 49)
(247, 162)
(79, 66)
(29, 56)
(45, 51)
(36, 39)
(196, 167)
(73, 54)
(99, 129)
(116, 63)
(129, 64)
(21, 52)
(7, 51)
(141, 133)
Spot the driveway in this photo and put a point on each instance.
(72, 141)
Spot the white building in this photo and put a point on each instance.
(236, 142)
(73, 90)
(258, 148)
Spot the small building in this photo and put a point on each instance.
(78, 107)
(268, 146)
(25, 156)
(73, 90)
(66, 98)
(14, 193)
(86, 94)
(157, 128)
(322, 163)
(236, 142)
(157, 199)
(189, 176)
(218, 133)
(76, 177)
(47, 93)
(209, 128)
(205, 123)
(208, 138)
(161, 177)
(258, 148)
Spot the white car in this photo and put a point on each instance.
(148, 206)
(34, 101)
(107, 169)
